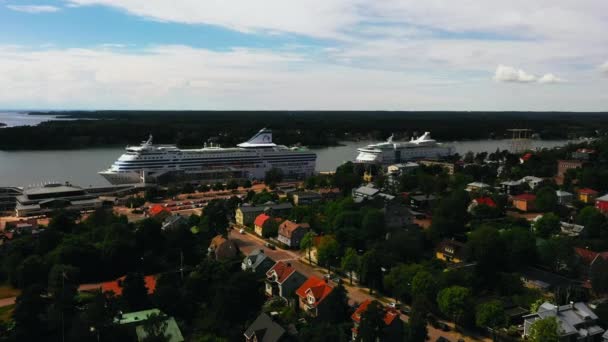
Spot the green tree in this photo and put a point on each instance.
(372, 225)
(547, 225)
(307, 243)
(328, 252)
(371, 326)
(490, 314)
(337, 306)
(485, 246)
(424, 287)
(520, 247)
(232, 185)
(399, 280)
(345, 177)
(416, 329)
(370, 270)
(546, 199)
(134, 292)
(32, 270)
(592, 220)
(454, 302)
(544, 330)
(30, 315)
(155, 328)
(350, 263)
(599, 275)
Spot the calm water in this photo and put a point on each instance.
(22, 168)
(80, 167)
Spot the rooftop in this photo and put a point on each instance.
(315, 286)
(115, 286)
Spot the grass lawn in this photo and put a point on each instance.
(7, 291)
(6, 312)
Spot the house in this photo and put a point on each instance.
(305, 197)
(257, 262)
(291, 233)
(588, 259)
(587, 195)
(512, 187)
(174, 221)
(532, 181)
(246, 214)
(420, 202)
(396, 215)
(159, 210)
(448, 167)
(525, 158)
(543, 280)
(116, 285)
(451, 251)
(328, 194)
(487, 201)
(601, 203)
(264, 329)
(393, 330)
(524, 202)
(365, 192)
(564, 165)
(477, 186)
(282, 280)
(401, 169)
(262, 224)
(571, 229)
(577, 322)
(312, 295)
(137, 321)
(584, 154)
(221, 248)
(564, 197)
(22, 226)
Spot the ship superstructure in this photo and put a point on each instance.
(392, 152)
(248, 160)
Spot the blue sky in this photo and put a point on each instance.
(314, 54)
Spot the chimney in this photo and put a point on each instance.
(288, 264)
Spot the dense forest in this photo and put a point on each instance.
(318, 128)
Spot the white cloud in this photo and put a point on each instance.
(550, 78)
(510, 74)
(33, 9)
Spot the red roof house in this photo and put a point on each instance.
(158, 209)
(587, 195)
(524, 202)
(312, 295)
(283, 280)
(115, 286)
(525, 157)
(393, 330)
(485, 201)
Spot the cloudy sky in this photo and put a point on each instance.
(304, 54)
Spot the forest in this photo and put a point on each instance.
(314, 129)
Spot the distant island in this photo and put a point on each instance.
(2, 124)
(309, 128)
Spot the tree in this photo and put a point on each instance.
(592, 220)
(134, 292)
(416, 327)
(273, 176)
(454, 302)
(544, 330)
(372, 225)
(345, 177)
(155, 328)
(599, 275)
(485, 246)
(490, 314)
(328, 252)
(372, 324)
(556, 253)
(546, 199)
(337, 306)
(350, 262)
(399, 280)
(370, 272)
(32, 270)
(307, 243)
(424, 287)
(547, 225)
(29, 315)
(232, 185)
(520, 246)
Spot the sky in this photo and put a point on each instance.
(539, 55)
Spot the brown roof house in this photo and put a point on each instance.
(282, 280)
(291, 233)
(221, 248)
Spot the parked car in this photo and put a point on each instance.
(242, 231)
(269, 245)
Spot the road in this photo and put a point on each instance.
(250, 242)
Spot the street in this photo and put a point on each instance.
(249, 242)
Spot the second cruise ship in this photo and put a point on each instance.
(248, 160)
(391, 152)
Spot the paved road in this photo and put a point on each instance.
(250, 242)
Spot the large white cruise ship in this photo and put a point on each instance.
(249, 160)
(391, 152)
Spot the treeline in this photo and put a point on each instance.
(227, 128)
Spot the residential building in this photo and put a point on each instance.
(136, 320)
(116, 285)
(584, 154)
(532, 181)
(221, 248)
(365, 192)
(159, 210)
(328, 194)
(564, 197)
(565, 165)
(264, 329)
(421, 202)
(291, 233)
(524, 202)
(257, 262)
(511, 187)
(401, 169)
(46, 199)
(8, 198)
(577, 322)
(601, 203)
(478, 186)
(571, 229)
(588, 260)
(536, 278)
(393, 330)
(263, 223)
(487, 201)
(305, 197)
(587, 195)
(282, 280)
(246, 214)
(450, 251)
(312, 295)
